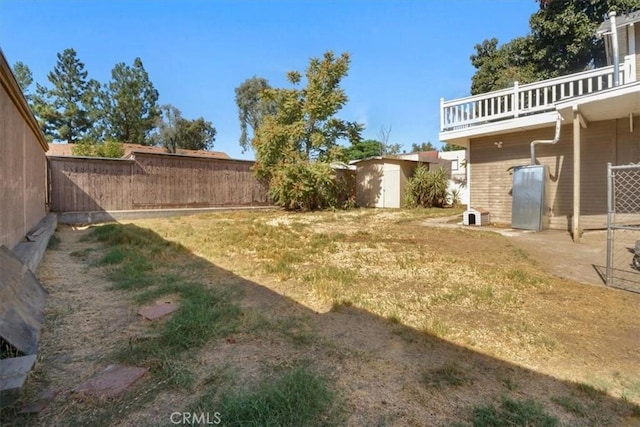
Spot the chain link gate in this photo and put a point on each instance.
(623, 227)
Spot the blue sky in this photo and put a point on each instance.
(405, 55)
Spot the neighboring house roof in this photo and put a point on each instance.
(628, 19)
(66, 150)
(422, 156)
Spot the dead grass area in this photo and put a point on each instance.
(400, 324)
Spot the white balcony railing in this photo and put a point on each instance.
(528, 99)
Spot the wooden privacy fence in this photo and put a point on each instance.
(151, 181)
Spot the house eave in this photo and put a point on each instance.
(462, 136)
(610, 104)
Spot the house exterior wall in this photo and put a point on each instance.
(606, 141)
(22, 164)
(458, 181)
(623, 43)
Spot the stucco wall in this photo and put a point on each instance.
(369, 184)
(22, 165)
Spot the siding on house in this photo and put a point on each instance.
(22, 163)
(602, 142)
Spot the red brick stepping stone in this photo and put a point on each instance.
(111, 382)
(154, 312)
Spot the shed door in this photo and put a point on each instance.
(391, 189)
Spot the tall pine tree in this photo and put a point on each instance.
(130, 104)
(24, 77)
(63, 109)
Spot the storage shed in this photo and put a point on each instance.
(381, 181)
(476, 216)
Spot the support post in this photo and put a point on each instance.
(516, 99)
(575, 220)
(609, 222)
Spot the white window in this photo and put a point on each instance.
(454, 165)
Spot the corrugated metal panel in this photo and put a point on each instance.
(528, 201)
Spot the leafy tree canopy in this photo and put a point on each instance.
(561, 41)
(363, 149)
(452, 147)
(110, 148)
(175, 132)
(304, 125)
(252, 107)
(425, 146)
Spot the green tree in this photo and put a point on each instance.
(561, 41)
(425, 146)
(130, 104)
(252, 107)
(500, 67)
(452, 147)
(304, 126)
(175, 132)
(24, 77)
(197, 134)
(363, 149)
(563, 33)
(295, 142)
(63, 109)
(167, 124)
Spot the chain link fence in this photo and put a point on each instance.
(623, 227)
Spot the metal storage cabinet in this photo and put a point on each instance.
(529, 207)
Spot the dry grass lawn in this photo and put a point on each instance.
(406, 324)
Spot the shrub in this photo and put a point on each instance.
(427, 188)
(304, 185)
(109, 148)
(454, 198)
